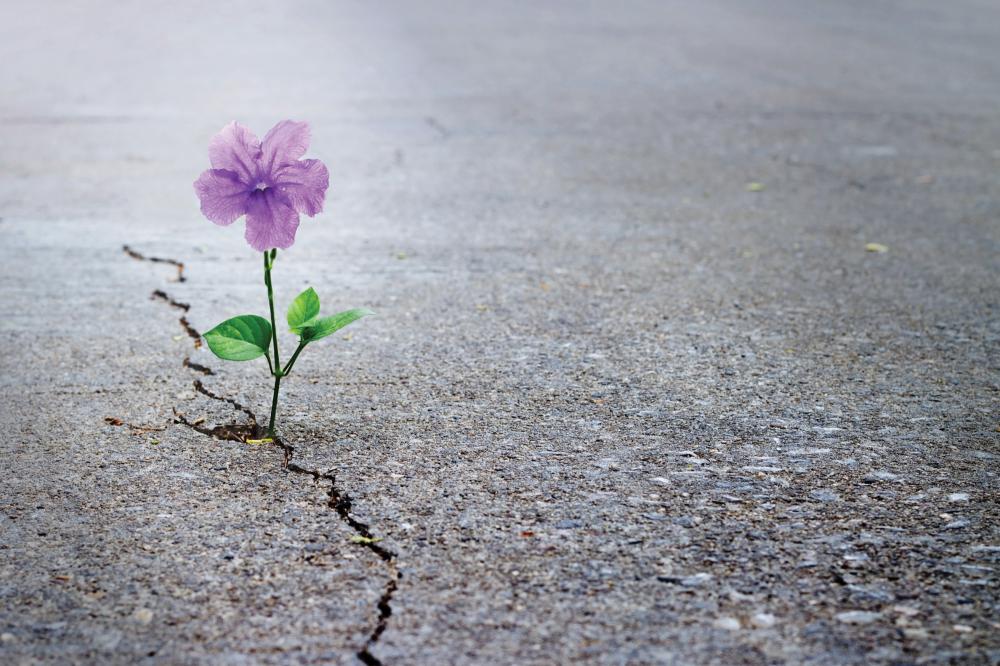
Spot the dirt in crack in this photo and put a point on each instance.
(233, 432)
(134, 429)
(338, 500)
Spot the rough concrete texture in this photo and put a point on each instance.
(636, 393)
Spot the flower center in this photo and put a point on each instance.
(261, 186)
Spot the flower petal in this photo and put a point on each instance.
(304, 184)
(285, 143)
(224, 197)
(237, 149)
(271, 220)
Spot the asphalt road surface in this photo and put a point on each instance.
(688, 346)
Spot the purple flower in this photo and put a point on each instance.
(266, 181)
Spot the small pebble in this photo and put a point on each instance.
(958, 497)
(962, 628)
(728, 623)
(824, 495)
(880, 476)
(143, 615)
(858, 617)
(763, 620)
(696, 580)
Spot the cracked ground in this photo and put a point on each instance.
(688, 346)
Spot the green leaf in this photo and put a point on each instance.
(242, 338)
(303, 310)
(329, 325)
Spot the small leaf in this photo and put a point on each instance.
(878, 248)
(303, 310)
(357, 538)
(755, 187)
(329, 325)
(242, 338)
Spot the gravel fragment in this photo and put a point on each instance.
(874, 477)
(763, 620)
(825, 495)
(727, 623)
(858, 617)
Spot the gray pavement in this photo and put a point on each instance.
(638, 391)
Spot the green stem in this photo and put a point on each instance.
(276, 369)
(274, 406)
(291, 361)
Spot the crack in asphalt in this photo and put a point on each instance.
(157, 260)
(439, 129)
(200, 388)
(339, 500)
(341, 503)
(192, 333)
(134, 429)
(197, 367)
(160, 295)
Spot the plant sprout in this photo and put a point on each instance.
(269, 183)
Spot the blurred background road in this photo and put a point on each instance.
(688, 347)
